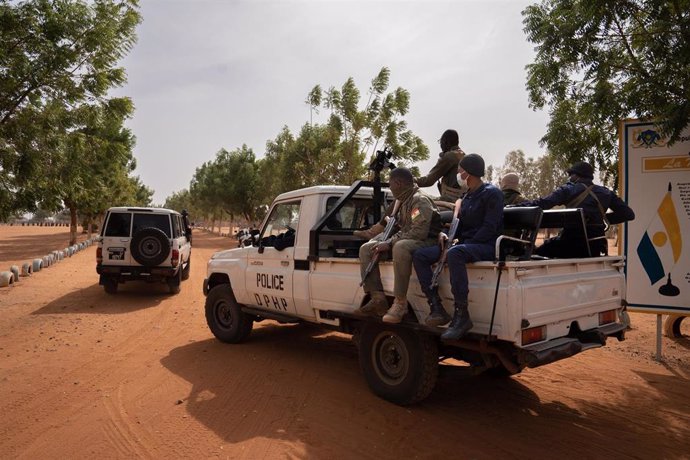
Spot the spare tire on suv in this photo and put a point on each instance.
(150, 246)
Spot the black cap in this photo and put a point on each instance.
(582, 169)
(473, 164)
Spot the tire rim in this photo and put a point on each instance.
(223, 314)
(390, 358)
(150, 247)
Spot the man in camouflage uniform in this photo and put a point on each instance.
(446, 168)
(419, 223)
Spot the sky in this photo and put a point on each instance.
(206, 75)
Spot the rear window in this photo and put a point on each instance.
(118, 224)
(159, 221)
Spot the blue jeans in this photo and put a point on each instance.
(458, 256)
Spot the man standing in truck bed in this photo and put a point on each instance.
(420, 224)
(446, 168)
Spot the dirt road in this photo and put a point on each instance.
(139, 375)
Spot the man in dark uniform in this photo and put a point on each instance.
(419, 223)
(446, 168)
(594, 200)
(481, 222)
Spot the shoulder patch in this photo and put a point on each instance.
(415, 213)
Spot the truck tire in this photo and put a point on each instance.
(150, 246)
(224, 316)
(399, 365)
(186, 270)
(174, 282)
(110, 285)
(672, 326)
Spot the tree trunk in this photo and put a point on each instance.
(89, 226)
(72, 225)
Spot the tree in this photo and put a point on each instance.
(55, 57)
(363, 130)
(538, 177)
(600, 61)
(227, 184)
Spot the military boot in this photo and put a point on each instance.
(461, 323)
(438, 315)
(369, 233)
(377, 305)
(397, 311)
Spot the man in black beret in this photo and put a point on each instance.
(594, 200)
(481, 222)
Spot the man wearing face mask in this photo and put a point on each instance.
(446, 168)
(594, 200)
(481, 222)
(419, 223)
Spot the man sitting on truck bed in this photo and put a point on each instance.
(420, 224)
(594, 200)
(481, 222)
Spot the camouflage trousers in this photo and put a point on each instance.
(402, 264)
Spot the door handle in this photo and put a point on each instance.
(124, 241)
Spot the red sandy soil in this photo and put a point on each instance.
(138, 375)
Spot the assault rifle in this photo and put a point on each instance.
(446, 243)
(387, 232)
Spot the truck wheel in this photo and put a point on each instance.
(225, 318)
(399, 365)
(672, 326)
(174, 282)
(110, 285)
(187, 269)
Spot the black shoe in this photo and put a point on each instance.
(460, 325)
(438, 315)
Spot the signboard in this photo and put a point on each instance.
(656, 185)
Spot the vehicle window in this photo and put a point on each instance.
(283, 218)
(176, 226)
(159, 221)
(356, 213)
(118, 224)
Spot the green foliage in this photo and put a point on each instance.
(331, 153)
(335, 152)
(538, 176)
(227, 184)
(600, 61)
(58, 60)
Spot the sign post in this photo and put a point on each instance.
(655, 180)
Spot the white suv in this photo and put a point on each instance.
(151, 244)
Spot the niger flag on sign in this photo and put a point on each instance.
(660, 247)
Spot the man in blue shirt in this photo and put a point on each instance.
(594, 200)
(481, 222)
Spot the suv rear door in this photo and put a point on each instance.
(116, 238)
(161, 221)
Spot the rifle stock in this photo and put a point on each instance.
(390, 225)
(448, 244)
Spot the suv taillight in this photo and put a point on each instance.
(175, 257)
(99, 255)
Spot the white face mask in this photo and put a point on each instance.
(461, 181)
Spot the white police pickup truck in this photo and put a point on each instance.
(304, 267)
